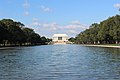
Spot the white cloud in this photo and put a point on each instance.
(72, 32)
(26, 13)
(36, 24)
(76, 25)
(45, 9)
(76, 22)
(26, 5)
(117, 5)
(74, 28)
(51, 26)
(35, 19)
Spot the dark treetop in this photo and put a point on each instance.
(14, 33)
(107, 32)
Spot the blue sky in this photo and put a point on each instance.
(48, 17)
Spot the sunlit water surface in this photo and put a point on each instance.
(60, 62)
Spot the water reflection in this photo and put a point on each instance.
(60, 62)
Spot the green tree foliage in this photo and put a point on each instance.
(107, 32)
(17, 35)
(71, 39)
(14, 33)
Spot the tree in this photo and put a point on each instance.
(107, 32)
(4, 33)
(17, 36)
(71, 39)
(43, 40)
(28, 33)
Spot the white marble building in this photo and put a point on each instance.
(60, 39)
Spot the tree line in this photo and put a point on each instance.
(14, 33)
(106, 32)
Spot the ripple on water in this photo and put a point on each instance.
(60, 62)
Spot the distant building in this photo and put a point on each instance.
(60, 39)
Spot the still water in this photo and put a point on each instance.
(60, 62)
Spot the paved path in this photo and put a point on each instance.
(104, 46)
(2, 48)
